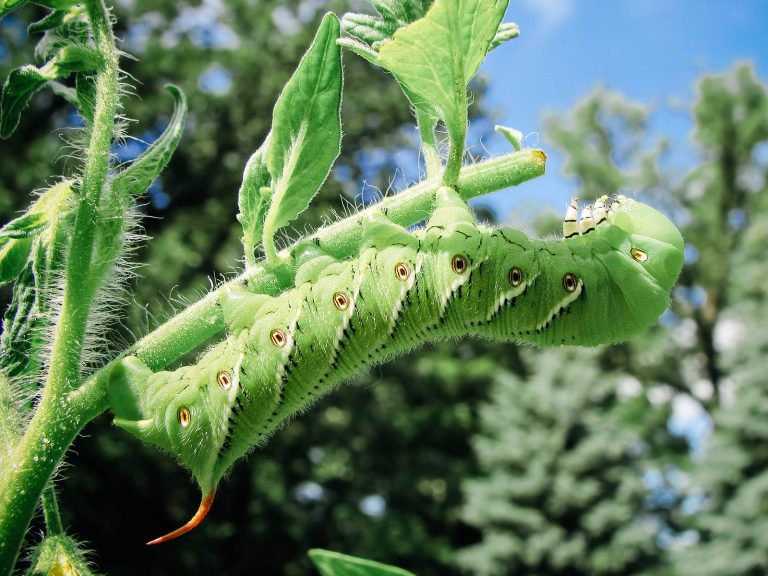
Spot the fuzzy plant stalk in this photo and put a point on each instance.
(55, 424)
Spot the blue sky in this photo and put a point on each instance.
(650, 50)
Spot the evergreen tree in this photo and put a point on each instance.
(561, 489)
(727, 199)
(697, 357)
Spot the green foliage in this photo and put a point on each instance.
(435, 58)
(67, 48)
(139, 175)
(561, 489)
(306, 131)
(59, 556)
(603, 138)
(335, 564)
(253, 201)
(730, 484)
(716, 512)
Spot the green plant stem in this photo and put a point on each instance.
(55, 423)
(459, 132)
(203, 320)
(53, 523)
(426, 125)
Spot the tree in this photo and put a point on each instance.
(698, 357)
(726, 197)
(561, 488)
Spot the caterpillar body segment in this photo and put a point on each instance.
(608, 280)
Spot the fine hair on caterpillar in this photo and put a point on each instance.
(608, 278)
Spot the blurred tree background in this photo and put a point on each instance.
(644, 458)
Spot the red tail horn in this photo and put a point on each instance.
(205, 506)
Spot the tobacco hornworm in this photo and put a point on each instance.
(607, 279)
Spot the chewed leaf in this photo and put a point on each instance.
(330, 563)
(251, 201)
(137, 177)
(506, 31)
(306, 129)
(437, 56)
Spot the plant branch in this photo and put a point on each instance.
(53, 523)
(55, 423)
(203, 320)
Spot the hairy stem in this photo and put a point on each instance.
(426, 125)
(55, 424)
(203, 320)
(458, 127)
(51, 511)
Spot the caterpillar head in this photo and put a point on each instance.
(184, 412)
(653, 241)
(643, 261)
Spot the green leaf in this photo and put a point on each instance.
(136, 178)
(20, 341)
(85, 88)
(13, 257)
(335, 564)
(359, 48)
(49, 22)
(17, 235)
(252, 202)
(506, 31)
(437, 56)
(306, 129)
(24, 226)
(515, 137)
(77, 59)
(7, 5)
(57, 4)
(366, 28)
(16, 243)
(21, 84)
(395, 14)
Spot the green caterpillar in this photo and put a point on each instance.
(609, 278)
